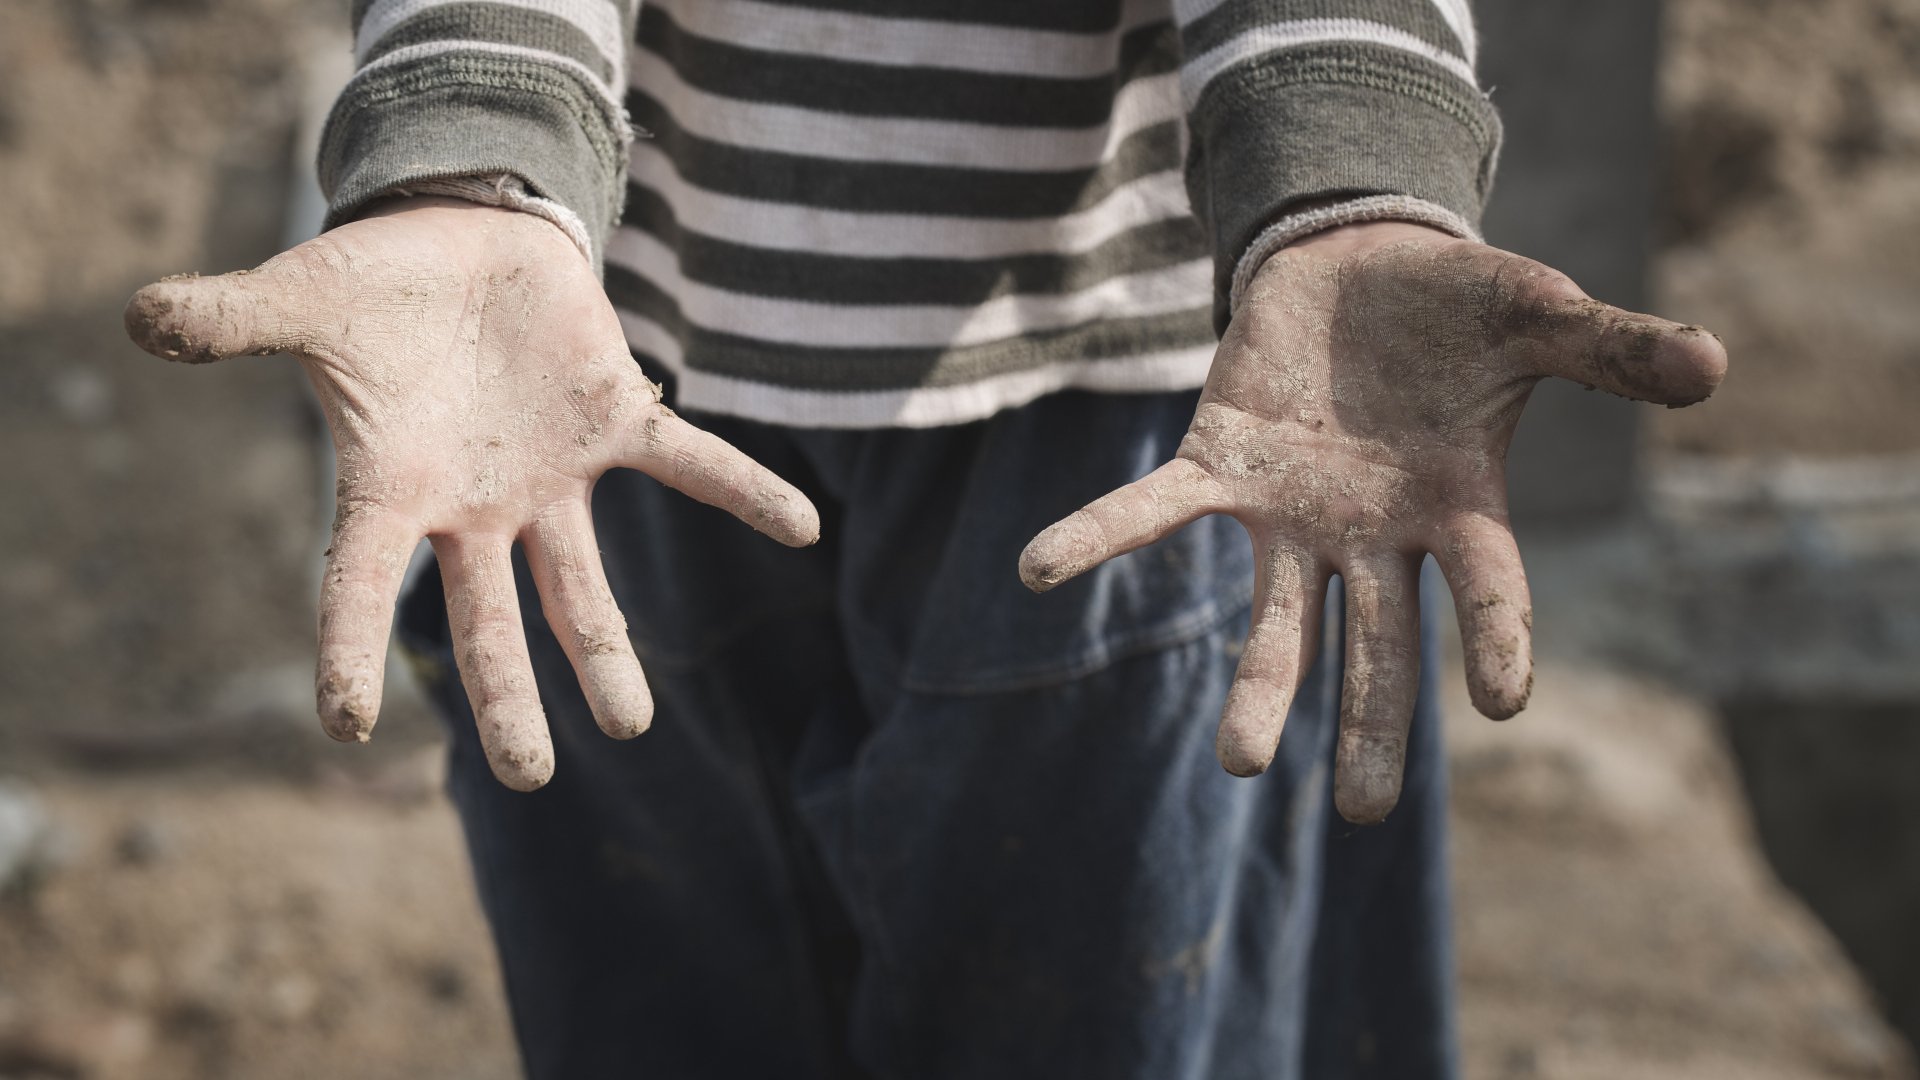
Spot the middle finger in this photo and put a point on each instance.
(490, 647)
(1382, 681)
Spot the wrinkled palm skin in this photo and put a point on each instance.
(477, 384)
(1357, 419)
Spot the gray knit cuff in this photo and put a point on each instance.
(510, 192)
(1334, 124)
(1296, 227)
(458, 116)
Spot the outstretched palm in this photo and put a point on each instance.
(1357, 418)
(477, 385)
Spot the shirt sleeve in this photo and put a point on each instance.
(1311, 113)
(450, 90)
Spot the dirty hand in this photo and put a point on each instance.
(476, 383)
(1356, 418)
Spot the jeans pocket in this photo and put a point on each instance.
(995, 639)
(980, 631)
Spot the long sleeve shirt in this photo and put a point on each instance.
(870, 213)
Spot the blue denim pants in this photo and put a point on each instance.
(898, 818)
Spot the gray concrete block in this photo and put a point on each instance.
(1575, 84)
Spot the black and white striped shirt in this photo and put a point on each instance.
(864, 213)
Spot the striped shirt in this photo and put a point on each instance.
(867, 213)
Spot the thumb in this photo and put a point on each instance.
(198, 320)
(1552, 328)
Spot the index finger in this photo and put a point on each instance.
(586, 619)
(706, 467)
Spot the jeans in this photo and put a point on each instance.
(899, 818)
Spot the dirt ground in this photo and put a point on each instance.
(1615, 919)
(1792, 223)
(246, 927)
(222, 893)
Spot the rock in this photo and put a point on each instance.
(85, 1045)
(26, 839)
(292, 998)
(145, 842)
(446, 982)
(82, 395)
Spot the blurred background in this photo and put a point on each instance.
(1697, 855)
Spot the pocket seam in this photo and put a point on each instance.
(1102, 654)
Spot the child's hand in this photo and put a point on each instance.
(477, 384)
(1356, 418)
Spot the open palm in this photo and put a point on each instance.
(476, 384)
(1356, 419)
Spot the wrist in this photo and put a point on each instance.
(1339, 241)
(503, 191)
(470, 233)
(1333, 224)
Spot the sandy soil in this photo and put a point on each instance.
(1793, 221)
(1615, 919)
(249, 928)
